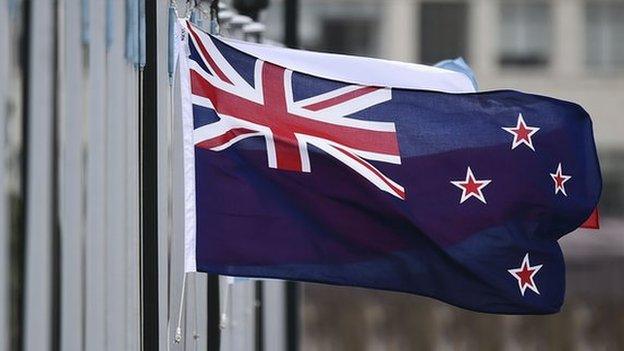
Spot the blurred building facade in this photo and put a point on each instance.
(83, 51)
(569, 49)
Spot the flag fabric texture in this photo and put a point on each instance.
(303, 173)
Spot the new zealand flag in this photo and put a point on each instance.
(460, 197)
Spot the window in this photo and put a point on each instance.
(605, 34)
(346, 27)
(612, 197)
(355, 36)
(525, 33)
(443, 28)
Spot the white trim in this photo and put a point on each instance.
(190, 219)
(358, 70)
(326, 96)
(237, 85)
(378, 179)
(337, 114)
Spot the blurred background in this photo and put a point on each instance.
(75, 88)
(568, 49)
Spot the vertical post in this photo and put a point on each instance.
(483, 36)
(568, 19)
(4, 227)
(291, 40)
(291, 23)
(55, 238)
(18, 258)
(213, 320)
(292, 316)
(259, 322)
(213, 333)
(274, 315)
(39, 316)
(239, 333)
(402, 17)
(149, 169)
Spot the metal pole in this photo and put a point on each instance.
(292, 316)
(5, 22)
(213, 312)
(55, 240)
(39, 273)
(291, 23)
(149, 189)
(18, 247)
(259, 314)
(291, 40)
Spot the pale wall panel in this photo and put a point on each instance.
(197, 322)
(95, 241)
(71, 170)
(37, 291)
(132, 229)
(116, 184)
(240, 308)
(274, 315)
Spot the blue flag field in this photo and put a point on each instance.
(457, 196)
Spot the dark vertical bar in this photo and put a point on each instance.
(55, 244)
(213, 314)
(291, 40)
(291, 23)
(259, 308)
(148, 157)
(18, 242)
(292, 316)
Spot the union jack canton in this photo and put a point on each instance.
(268, 109)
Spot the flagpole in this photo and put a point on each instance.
(291, 23)
(292, 315)
(213, 332)
(149, 172)
(291, 40)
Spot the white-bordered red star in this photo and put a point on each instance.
(559, 178)
(522, 133)
(525, 275)
(471, 187)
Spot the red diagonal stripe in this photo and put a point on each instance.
(398, 191)
(340, 98)
(224, 102)
(224, 138)
(204, 52)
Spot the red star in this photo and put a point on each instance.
(560, 180)
(471, 187)
(522, 133)
(525, 275)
